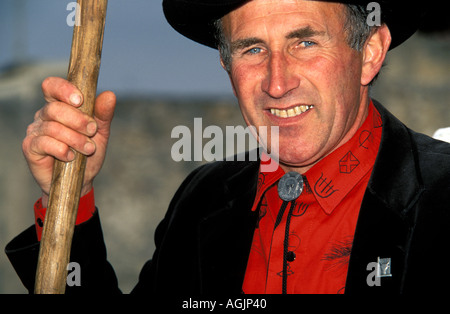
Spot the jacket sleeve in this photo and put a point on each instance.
(88, 250)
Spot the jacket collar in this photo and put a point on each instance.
(396, 179)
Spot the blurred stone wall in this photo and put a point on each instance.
(415, 83)
(139, 177)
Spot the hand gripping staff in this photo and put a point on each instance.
(84, 66)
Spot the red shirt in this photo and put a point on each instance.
(322, 224)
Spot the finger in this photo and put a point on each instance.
(69, 137)
(44, 146)
(68, 116)
(59, 89)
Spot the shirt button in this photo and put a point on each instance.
(290, 256)
(39, 222)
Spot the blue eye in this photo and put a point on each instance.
(308, 43)
(254, 50)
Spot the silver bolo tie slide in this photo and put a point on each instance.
(290, 186)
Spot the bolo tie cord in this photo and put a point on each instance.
(286, 238)
(290, 187)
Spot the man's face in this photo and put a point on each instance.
(292, 68)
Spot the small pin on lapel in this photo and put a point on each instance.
(384, 267)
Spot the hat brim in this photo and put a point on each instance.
(194, 18)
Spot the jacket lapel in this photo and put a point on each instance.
(387, 213)
(226, 234)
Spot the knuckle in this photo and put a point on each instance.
(26, 145)
(51, 111)
(37, 115)
(30, 129)
(61, 150)
(41, 114)
(46, 83)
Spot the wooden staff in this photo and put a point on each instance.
(68, 177)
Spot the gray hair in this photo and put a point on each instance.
(356, 27)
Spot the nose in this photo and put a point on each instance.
(279, 79)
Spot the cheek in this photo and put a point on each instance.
(245, 82)
(337, 82)
(341, 68)
(325, 73)
(245, 78)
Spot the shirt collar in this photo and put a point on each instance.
(333, 177)
(266, 179)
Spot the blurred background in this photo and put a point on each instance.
(162, 80)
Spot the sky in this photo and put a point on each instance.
(142, 54)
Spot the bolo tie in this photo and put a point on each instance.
(290, 187)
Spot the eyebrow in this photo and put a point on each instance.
(245, 43)
(303, 32)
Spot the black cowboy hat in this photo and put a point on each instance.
(194, 18)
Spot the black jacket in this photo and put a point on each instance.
(203, 243)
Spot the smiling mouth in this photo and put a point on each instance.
(291, 112)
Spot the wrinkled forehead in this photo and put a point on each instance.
(279, 13)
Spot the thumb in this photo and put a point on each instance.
(105, 104)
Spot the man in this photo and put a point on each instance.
(359, 203)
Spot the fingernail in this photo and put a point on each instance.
(91, 128)
(75, 99)
(70, 155)
(89, 147)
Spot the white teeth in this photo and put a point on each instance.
(289, 113)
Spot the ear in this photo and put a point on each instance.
(374, 53)
(232, 85)
(222, 63)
